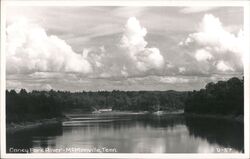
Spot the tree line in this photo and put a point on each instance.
(25, 106)
(223, 97)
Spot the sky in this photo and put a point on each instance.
(122, 48)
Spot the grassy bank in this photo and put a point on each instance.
(28, 125)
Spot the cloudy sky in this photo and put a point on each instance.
(125, 48)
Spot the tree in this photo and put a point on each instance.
(223, 97)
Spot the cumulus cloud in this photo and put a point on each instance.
(203, 55)
(133, 41)
(214, 44)
(213, 34)
(129, 57)
(29, 49)
(173, 80)
(222, 66)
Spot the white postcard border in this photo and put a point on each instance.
(240, 3)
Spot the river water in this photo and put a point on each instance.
(132, 133)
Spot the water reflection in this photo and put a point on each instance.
(42, 137)
(136, 134)
(223, 132)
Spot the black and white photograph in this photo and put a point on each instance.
(131, 79)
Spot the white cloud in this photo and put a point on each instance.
(196, 9)
(203, 55)
(182, 69)
(126, 11)
(135, 45)
(124, 71)
(30, 49)
(213, 43)
(222, 66)
(46, 87)
(10, 84)
(95, 56)
(109, 62)
(173, 80)
(213, 34)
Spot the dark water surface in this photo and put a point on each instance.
(132, 133)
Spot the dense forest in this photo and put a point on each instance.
(223, 97)
(25, 106)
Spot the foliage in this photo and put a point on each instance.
(24, 106)
(45, 104)
(223, 97)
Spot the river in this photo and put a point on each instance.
(132, 133)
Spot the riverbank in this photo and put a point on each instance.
(29, 125)
(238, 118)
(109, 113)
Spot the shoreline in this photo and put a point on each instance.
(239, 118)
(29, 125)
